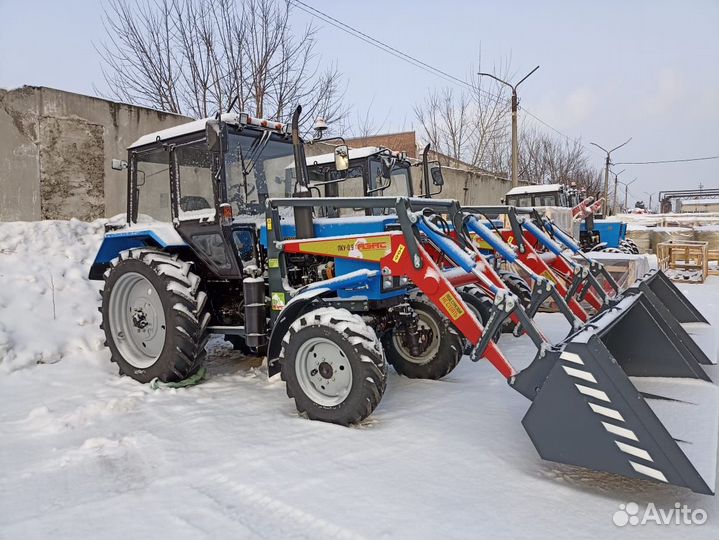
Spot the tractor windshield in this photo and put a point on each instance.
(257, 168)
(399, 183)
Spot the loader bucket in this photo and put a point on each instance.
(689, 325)
(657, 282)
(620, 396)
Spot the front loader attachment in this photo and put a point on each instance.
(622, 396)
(658, 283)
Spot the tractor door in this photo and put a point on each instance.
(193, 169)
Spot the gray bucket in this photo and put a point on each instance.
(622, 396)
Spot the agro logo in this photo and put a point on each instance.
(359, 248)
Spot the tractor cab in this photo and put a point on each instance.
(537, 195)
(221, 173)
(370, 171)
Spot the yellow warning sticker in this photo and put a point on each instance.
(398, 253)
(269, 224)
(278, 300)
(274, 263)
(450, 303)
(550, 276)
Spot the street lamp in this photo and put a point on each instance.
(515, 102)
(626, 193)
(606, 166)
(616, 179)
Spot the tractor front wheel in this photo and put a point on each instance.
(333, 365)
(443, 349)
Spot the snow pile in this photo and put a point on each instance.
(48, 307)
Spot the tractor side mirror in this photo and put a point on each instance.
(387, 166)
(436, 173)
(118, 164)
(216, 134)
(342, 157)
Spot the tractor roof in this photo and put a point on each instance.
(197, 126)
(535, 188)
(354, 153)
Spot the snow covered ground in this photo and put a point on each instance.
(87, 454)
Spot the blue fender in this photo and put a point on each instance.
(115, 242)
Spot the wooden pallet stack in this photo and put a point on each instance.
(684, 260)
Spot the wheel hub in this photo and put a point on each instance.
(326, 370)
(323, 371)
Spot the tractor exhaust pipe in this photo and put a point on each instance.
(304, 223)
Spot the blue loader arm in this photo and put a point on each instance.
(499, 245)
(456, 253)
(540, 235)
(563, 237)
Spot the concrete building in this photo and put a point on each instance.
(710, 204)
(56, 149)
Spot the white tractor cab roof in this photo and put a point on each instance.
(536, 188)
(354, 153)
(197, 126)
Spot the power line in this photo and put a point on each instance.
(354, 32)
(666, 161)
(314, 12)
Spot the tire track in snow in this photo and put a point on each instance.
(267, 516)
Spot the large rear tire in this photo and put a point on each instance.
(333, 366)
(153, 315)
(442, 354)
(481, 304)
(517, 286)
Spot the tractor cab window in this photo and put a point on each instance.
(150, 173)
(523, 201)
(546, 199)
(194, 173)
(257, 167)
(398, 181)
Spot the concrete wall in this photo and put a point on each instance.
(56, 149)
(468, 187)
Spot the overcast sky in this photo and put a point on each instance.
(609, 69)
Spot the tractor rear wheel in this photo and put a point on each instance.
(443, 351)
(333, 365)
(517, 286)
(481, 305)
(154, 317)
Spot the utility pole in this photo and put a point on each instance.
(616, 179)
(651, 195)
(607, 163)
(515, 106)
(626, 194)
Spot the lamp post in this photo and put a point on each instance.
(515, 103)
(626, 192)
(607, 163)
(650, 199)
(616, 179)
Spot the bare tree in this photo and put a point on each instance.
(195, 57)
(473, 127)
(545, 158)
